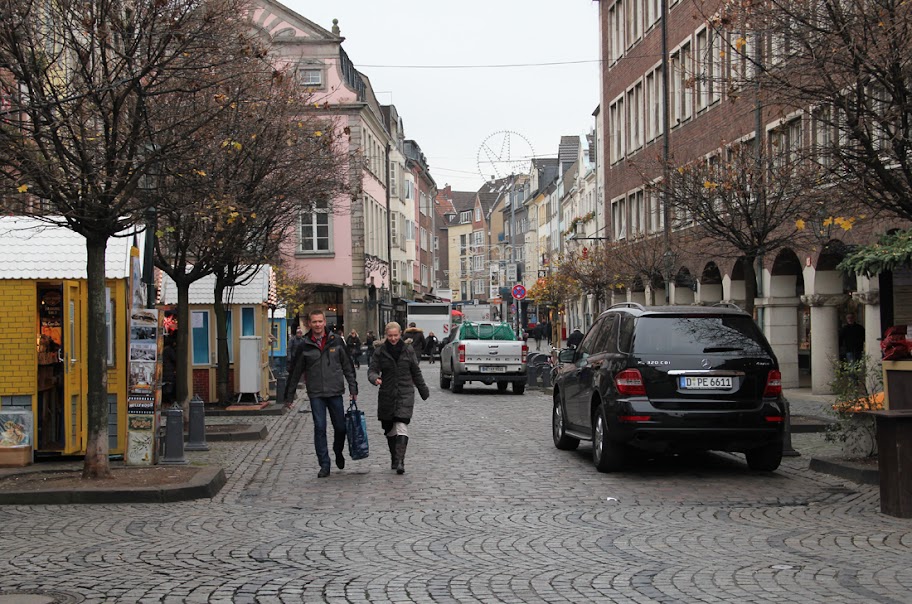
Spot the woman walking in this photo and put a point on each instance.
(394, 368)
(354, 348)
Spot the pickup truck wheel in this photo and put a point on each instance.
(518, 388)
(558, 432)
(607, 455)
(455, 384)
(502, 386)
(444, 381)
(766, 458)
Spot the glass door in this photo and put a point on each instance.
(74, 368)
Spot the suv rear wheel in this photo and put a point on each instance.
(766, 458)
(607, 455)
(558, 432)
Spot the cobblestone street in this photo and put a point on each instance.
(488, 511)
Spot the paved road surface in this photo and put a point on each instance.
(488, 511)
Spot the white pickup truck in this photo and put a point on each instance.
(483, 352)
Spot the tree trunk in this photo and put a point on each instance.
(96, 459)
(184, 365)
(221, 338)
(750, 283)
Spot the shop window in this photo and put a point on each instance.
(199, 334)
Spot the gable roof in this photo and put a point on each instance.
(568, 151)
(260, 290)
(282, 24)
(491, 191)
(463, 201)
(31, 249)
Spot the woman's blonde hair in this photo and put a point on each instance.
(391, 325)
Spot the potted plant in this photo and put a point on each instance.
(858, 387)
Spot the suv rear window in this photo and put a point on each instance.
(735, 334)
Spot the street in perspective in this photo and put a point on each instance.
(488, 510)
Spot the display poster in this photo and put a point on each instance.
(144, 391)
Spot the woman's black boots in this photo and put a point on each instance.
(391, 441)
(401, 445)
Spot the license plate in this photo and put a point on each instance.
(493, 369)
(705, 383)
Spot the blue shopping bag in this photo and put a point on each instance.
(356, 432)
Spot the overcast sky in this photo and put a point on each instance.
(452, 112)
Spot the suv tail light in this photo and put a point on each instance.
(630, 381)
(525, 353)
(462, 353)
(773, 384)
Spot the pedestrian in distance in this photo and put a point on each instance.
(851, 340)
(169, 371)
(414, 335)
(394, 368)
(537, 334)
(575, 338)
(326, 366)
(430, 346)
(354, 348)
(369, 340)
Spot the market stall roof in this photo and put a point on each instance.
(32, 249)
(260, 290)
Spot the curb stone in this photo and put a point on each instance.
(205, 484)
(845, 470)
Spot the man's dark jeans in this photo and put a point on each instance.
(318, 408)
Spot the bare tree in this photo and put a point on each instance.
(269, 157)
(84, 83)
(848, 65)
(742, 204)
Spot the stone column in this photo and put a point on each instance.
(824, 338)
(870, 298)
(780, 324)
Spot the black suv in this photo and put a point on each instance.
(670, 379)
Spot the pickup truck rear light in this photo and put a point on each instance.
(525, 353)
(461, 353)
(630, 381)
(773, 384)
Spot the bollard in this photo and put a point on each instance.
(197, 440)
(787, 449)
(174, 437)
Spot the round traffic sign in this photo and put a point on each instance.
(519, 291)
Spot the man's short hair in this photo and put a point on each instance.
(412, 324)
(316, 312)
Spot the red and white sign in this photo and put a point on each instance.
(519, 291)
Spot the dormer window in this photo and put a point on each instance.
(310, 75)
(465, 217)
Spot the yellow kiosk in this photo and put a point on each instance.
(43, 293)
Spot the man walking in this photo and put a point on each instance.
(294, 347)
(323, 361)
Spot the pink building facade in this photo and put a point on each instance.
(342, 246)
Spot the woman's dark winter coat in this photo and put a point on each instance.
(396, 399)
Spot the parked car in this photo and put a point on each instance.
(483, 352)
(669, 379)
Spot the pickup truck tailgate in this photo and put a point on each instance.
(493, 353)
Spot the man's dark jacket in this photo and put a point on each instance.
(325, 372)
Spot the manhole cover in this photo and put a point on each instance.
(38, 596)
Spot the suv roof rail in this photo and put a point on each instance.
(636, 305)
(728, 305)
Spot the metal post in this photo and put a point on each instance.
(787, 449)
(174, 438)
(197, 436)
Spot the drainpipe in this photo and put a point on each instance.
(666, 146)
